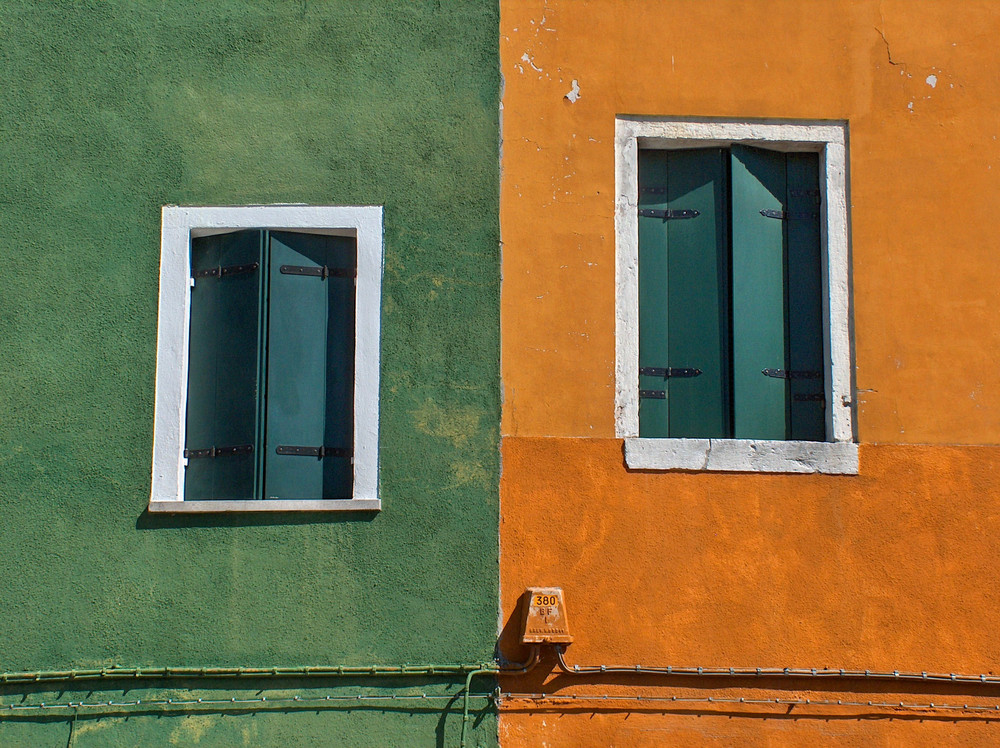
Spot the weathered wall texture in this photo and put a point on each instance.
(893, 568)
(111, 110)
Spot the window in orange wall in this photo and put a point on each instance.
(732, 319)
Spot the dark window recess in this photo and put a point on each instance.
(731, 293)
(271, 364)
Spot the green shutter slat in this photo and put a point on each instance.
(759, 305)
(698, 293)
(310, 367)
(683, 292)
(807, 419)
(222, 406)
(654, 414)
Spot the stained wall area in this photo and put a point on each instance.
(112, 110)
(889, 569)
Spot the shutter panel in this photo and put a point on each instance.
(758, 246)
(310, 366)
(683, 293)
(654, 414)
(805, 299)
(222, 406)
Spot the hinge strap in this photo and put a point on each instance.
(653, 394)
(783, 374)
(224, 272)
(242, 449)
(319, 452)
(668, 215)
(809, 397)
(322, 272)
(669, 372)
(784, 215)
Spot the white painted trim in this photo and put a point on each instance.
(742, 456)
(365, 222)
(265, 505)
(830, 140)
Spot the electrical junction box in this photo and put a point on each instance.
(545, 617)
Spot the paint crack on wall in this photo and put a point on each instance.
(888, 50)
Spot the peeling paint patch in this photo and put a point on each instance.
(574, 92)
(527, 58)
(931, 81)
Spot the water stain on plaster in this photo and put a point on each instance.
(192, 729)
(466, 473)
(97, 725)
(455, 424)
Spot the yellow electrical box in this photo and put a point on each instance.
(545, 617)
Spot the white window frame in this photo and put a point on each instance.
(838, 455)
(179, 224)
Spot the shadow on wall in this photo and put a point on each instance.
(150, 521)
(132, 698)
(548, 677)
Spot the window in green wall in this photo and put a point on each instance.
(271, 366)
(267, 373)
(731, 341)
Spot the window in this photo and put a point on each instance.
(732, 325)
(267, 359)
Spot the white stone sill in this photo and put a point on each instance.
(265, 505)
(742, 456)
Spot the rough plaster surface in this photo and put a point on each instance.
(891, 568)
(924, 302)
(112, 110)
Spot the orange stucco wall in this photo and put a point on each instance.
(893, 568)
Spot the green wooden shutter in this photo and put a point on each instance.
(805, 299)
(222, 406)
(310, 366)
(654, 414)
(759, 306)
(683, 293)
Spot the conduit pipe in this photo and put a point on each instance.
(308, 671)
(771, 672)
(512, 669)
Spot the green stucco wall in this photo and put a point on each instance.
(111, 110)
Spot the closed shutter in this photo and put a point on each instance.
(684, 293)
(223, 367)
(310, 367)
(759, 306)
(806, 356)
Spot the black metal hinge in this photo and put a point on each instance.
(809, 397)
(668, 215)
(667, 373)
(653, 394)
(319, 272)
(224, 272)
(783, 374)
(242, 449)
(785, 215)
(319, 452)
